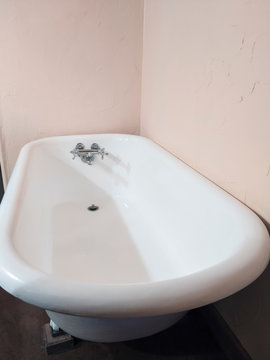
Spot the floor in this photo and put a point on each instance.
(20, 331)
(21, 338)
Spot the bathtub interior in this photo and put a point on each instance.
(156, 221)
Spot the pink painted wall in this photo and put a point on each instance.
(206, 90)
(206, 99)
(66, 67)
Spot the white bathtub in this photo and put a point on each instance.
(164, 239)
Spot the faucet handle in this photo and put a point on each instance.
(95, 146)
(100, 151)
(75, 151)
(79, 146)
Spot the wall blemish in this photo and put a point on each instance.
(253, 87)
(252, 51)
(242, 43)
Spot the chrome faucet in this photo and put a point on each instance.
(88, 155)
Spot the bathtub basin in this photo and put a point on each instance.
(163, 240)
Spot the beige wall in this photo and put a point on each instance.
(66, 67)
(206, 90)
(206, 98)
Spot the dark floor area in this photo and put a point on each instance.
(20, 339)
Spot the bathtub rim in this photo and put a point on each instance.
(167, 296)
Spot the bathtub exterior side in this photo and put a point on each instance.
(138, 166)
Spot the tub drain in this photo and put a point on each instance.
(93, 207)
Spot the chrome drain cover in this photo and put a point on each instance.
(93, 207)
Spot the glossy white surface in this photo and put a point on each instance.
(164, 239)
(113, 329)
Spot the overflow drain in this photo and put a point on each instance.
(93, 207)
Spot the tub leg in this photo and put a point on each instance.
(54, 326)
(55, 340)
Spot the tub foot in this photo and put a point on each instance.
(55, 340)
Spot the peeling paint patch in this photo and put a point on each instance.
(268, 171)
(253, 87)
(252, 51)
(242, 43)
